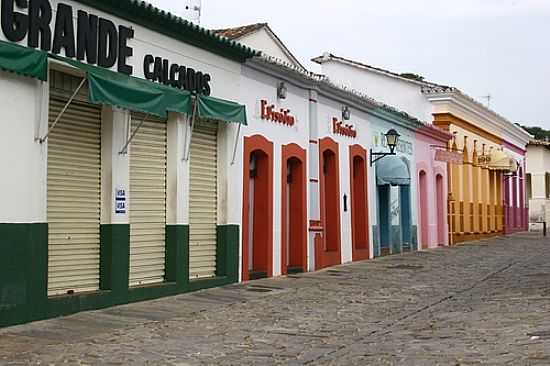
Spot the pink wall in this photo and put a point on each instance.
(427, 197)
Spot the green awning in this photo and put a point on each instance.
(222, 110)
(128, 92)
(24, 61)
(392, 170)
(137, 94)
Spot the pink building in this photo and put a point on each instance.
(431, 175)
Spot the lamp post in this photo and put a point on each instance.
(392, 138)
(281, 90)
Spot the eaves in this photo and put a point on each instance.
(148, 16)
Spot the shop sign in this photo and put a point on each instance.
(447, 156)
(339, 128)
(483, 159)
(283, 116)
(120, 201)
(92, 38)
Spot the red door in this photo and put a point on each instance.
(257, 235)
(359, 203)
(293, 210)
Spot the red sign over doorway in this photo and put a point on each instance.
(282, 116)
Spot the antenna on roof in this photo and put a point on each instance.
(196, 8)
(488, 97)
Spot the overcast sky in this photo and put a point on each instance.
(496, 47)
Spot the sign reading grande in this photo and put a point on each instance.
(269, 113)
(93, 39)
(447, 156)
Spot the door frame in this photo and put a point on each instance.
(324, 258)
(288, 152)
(358, 254)
(251, 144)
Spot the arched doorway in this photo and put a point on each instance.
(293, 210)
(440, 196)
(359, 203)
(424, 208)
(394, 206)
(329, 253)
(257, 235)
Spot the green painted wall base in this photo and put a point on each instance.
(24, 271)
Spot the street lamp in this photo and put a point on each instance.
(281, 90)
(392, 138)
(346, 113)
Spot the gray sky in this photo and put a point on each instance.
(497, 47)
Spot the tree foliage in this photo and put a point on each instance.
(538, 132)
(412, 76)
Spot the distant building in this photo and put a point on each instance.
(538, 180)
(260, 37)
(486, 191)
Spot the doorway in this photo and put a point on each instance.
(384, 218)
(257, 234)
(293, 210)
(394, 206)
(424, 207)
(440, 194)
(329, 253)
(359, 203)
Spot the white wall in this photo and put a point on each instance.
(224, 72)
(401, 94)
(538, 164)
(24, 103)
(263, 41)
(23, 161)
(256, 86)
(327, 110)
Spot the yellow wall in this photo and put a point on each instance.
(475, 190)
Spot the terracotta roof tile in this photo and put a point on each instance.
(238, 32)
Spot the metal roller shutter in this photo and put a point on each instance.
(203, 200)
(147, 206)
(74, 177)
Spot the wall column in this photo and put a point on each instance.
(115, 183)
(315, 225)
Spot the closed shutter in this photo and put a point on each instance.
(203, 200)
(147, 206)
(73, 198)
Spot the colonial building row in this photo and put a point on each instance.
(144, 156)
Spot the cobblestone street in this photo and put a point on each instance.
(483, 303)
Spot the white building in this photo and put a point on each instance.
(538, 181)
(143, 156)
(478, 133)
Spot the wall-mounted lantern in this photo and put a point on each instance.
(346, 113)
(281, 90)
(392, 138)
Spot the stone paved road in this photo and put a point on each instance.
(486, 303)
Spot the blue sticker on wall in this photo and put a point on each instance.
(120, 201)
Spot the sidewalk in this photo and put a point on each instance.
(482, 303)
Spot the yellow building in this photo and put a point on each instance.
(486, 191)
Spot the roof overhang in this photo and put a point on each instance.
(465, 107)
(326, 88)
